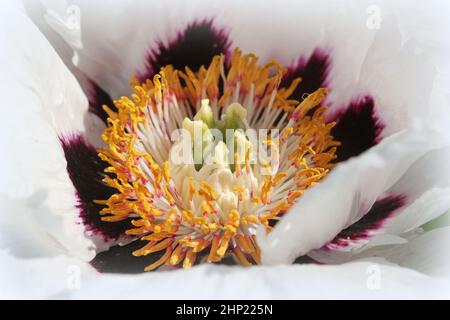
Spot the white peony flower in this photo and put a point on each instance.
(93, 193)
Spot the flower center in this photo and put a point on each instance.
(201, 160)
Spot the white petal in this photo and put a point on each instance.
(41, 278)
(292, 29)
(345, 195)
(427, 253)
(427, 186)
(30, 229)
(397, 77)
(41, 100)
(442, 221)
(362, 280)
(424, 252)
(396, 63)
(124, 45)
(36, 11)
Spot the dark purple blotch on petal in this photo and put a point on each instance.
(357, 128)
(120, 259)
(86, 170)
(305, 260)
(313, 71)
(381, 211)
(193, 47)
(97, 98)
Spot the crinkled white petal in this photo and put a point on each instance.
(27, 230)
(38, 11)
(40, 100)
(426, 188)
(345, 195)
(441, 221)
(60, 277)
(361, 280)
(110, 21)
(374, 45)
(392, 72)
(426, 252)
(290, 30)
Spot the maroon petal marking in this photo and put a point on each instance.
(97, 98)
(193, 47)
(120, 259)
(357, 128)
(86, 172)
(381, 211)
(313, 71)
(305, 260)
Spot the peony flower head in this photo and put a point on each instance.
(304, 144)
(211, 190)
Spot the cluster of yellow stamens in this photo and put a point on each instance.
(211, 212)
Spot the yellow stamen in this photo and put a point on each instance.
(191, 255)
(177, 256)
(160, 261)
(243, 260)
